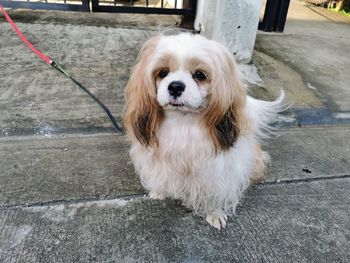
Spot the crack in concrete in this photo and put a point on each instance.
(144, 195)
(74, 201)
(305, 180)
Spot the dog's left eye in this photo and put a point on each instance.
(163, 73)
(199, 75)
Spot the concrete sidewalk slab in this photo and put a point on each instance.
(276, 76)
(302, 153)
(34, 97)
(315, 47)
(43, 170)
(40, 169)
(294, 222)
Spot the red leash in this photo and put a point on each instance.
(44, 58)
(55, 65)
(24, 39)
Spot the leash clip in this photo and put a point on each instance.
(55, 65)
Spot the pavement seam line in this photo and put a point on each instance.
(144, 195)
(305, 180)
(74, 201)
(102, 131)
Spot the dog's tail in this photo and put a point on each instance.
(263, 113)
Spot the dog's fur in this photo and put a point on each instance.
(201, 147)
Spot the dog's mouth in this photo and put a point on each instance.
(181, 107)
(176, 103)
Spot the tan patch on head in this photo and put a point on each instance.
(195, 64)
(168, 62)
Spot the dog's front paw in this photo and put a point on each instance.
(217, 220)
(156, 195)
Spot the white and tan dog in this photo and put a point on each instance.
(195, 132)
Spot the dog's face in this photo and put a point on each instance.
(182, 75)
(186, 73)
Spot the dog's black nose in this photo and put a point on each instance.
(176, 88)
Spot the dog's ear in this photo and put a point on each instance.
(224, 126)
(225, 116)
(226, 130)
(142, 113)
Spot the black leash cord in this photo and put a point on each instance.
(116, 126)
(55, 65)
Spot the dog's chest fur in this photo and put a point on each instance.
(184, 145)
(184, 151)
(185, 166)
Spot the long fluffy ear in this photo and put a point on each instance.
(224, 117)
(142, 113)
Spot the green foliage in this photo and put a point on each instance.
(342, 12)
(345, 8)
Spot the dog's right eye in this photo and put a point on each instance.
(199, 75)
(163, 73)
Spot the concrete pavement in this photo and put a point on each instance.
(293, 222)
(315, 47)
(94, 166)
(68, 192)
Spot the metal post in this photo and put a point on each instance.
(281, 16)
(188, 20)
(94, 5)
(269, 15)
(275, 16)
(86, 6)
